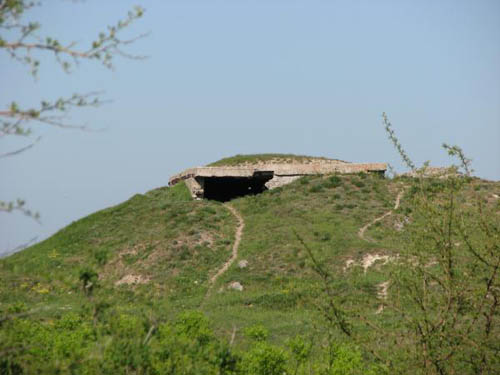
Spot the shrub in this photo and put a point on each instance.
(265, 359)
(304, 180)
(347, 360)
(184, 252)
(88, 277)
(316, 188)
(358, 183)
(257, 333)
(326, 237)
(101, 256)
(301, 351)
(334, 181)
(276, 191)
(194, 325)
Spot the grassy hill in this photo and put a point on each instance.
(265, 158)
(145, 262)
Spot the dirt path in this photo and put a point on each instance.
(361, 233)
(234, 254)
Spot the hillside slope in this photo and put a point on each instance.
(154, 256)
(165, 246)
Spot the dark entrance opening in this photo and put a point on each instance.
(224, 189)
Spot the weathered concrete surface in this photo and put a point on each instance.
(440, 172)
(195, 187)
(282, 173)
(212, 172)
(278, 181)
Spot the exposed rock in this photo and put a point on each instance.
(382, 294)
(235, 285)
(348, 264)
(399, 225)
(243, 263)
(370, 259)
(382, 290)
(132, 279)
(440, 172)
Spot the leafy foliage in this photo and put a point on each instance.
(439, 307)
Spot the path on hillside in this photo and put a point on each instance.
(234, 254)
(361, 233)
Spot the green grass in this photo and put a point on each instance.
(262, 158)
(176, 243)
(163, 236)
(278, 281)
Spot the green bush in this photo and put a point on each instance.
(88, 278)
(258, 333)
(264, 359)
(358, 183)
(347, 360)
(334, 181)
(300, 351)
(304, 180)
(195, 325)
(316, 188)
(101, 256)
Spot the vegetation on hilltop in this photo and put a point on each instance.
(265, 158)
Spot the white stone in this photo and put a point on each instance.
(236, 286)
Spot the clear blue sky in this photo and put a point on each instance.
(227, 77)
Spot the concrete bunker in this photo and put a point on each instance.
(228, 182)
(224, 189)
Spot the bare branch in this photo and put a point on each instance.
(104, 48)
(12, 120)
(390, 132)
(456, 151)
(19, 205)
(20, 150)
